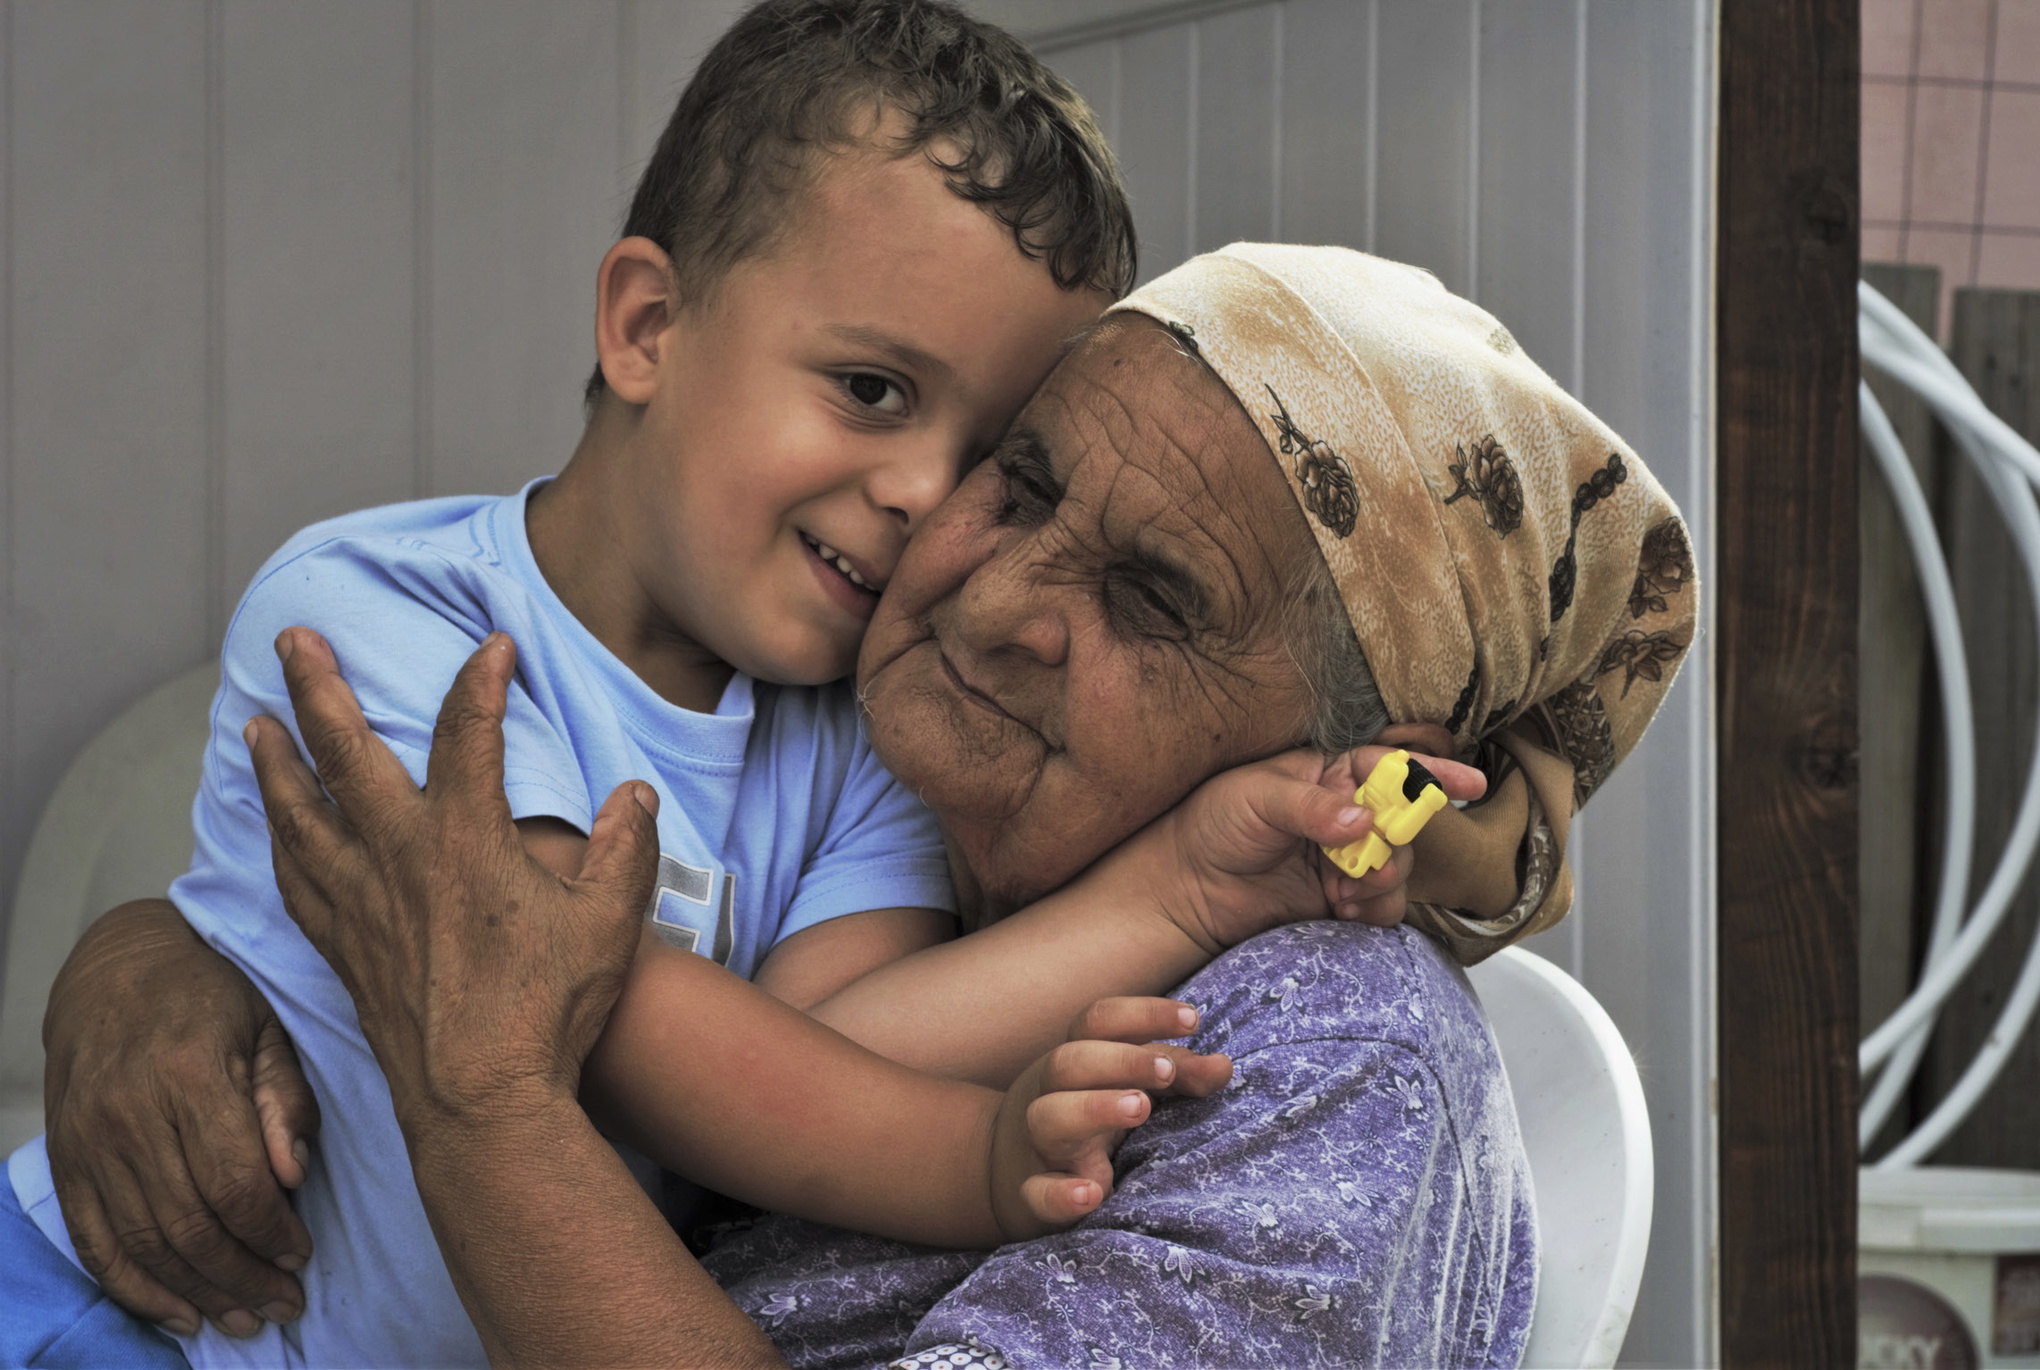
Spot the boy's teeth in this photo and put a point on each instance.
(841, 563)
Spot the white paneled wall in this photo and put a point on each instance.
(269, 260)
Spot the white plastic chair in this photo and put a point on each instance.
(118, 827)
(1588, 1136)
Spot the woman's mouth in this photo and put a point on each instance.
(970, 692)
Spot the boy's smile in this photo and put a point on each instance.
(767, 451)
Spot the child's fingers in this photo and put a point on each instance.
(1197, 1076)
(1058, 1200)
(1072, 1126)
(1458, 780)
(1134, 1018)
(1383, 910)
(1375, 897)
(1108, 1065)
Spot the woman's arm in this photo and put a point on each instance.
(176, 1116)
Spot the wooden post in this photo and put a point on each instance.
(1785, 598)
(1997, 346)
(1893, 669)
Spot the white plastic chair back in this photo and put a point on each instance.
(1588, 1136)
(117, 828)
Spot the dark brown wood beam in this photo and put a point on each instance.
(1786, 603)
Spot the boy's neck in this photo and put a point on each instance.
(571, 527)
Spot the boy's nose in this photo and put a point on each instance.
(918, 479)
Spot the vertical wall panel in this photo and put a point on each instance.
(1327, 83)
(107, 422)
(1529, 181)
(1237, 166)
(522, 205)
(1093, 68)
(1650, 892)
(1155, 75)
(1424, 72)
(662, 41)
(318, 252)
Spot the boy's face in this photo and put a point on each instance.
(832, 393)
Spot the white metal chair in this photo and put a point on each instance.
(118, 827)
(1588, 1136)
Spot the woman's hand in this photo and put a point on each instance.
(1243, 853)
(1061, 1121)
(177, 1119)
(481, 979)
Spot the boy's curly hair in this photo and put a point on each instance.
(792, 76)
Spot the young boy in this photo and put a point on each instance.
(858, 248)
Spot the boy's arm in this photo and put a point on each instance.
(1141, 921)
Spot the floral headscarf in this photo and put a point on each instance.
(1512, 571)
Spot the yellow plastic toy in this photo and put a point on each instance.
(1403, 796)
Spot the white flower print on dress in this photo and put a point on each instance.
(1060, 1270)
(1177, 1263)
(1101, 1359)
(1411, 1095)
(1263, 1215)
(778, 1307)
(1312, 1300)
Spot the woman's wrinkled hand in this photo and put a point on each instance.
(178, 1118)
(478, 975)
(1243, 853)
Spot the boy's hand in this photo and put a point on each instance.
(1243, 853)
(1063, 1118)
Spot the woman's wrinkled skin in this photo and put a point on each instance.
(1092, 623)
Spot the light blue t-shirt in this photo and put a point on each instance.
(774, 816)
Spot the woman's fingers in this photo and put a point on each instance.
(125, 1282)
(305, 830)
(467, 740)
(364, 777)
(289, 1115)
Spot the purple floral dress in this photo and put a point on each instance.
(1358, 1195)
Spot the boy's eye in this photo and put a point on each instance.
(874, 391)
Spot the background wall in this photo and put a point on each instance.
(1951, 140)
(266, 261)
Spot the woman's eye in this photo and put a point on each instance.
(1029, 499)
(874, 391)
(1140, 608)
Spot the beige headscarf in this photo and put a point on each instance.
(1512, 571)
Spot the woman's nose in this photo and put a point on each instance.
(1011, 605)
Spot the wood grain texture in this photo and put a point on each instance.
(1996, 343)
(1896, 710)
(1787, 551)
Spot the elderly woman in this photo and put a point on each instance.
(1521, 590)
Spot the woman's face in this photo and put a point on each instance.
(1091, 624)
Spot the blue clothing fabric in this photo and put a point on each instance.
(1358, 1196)
(53, 1317)
(774, 816)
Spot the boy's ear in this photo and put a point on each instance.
(634, 306)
